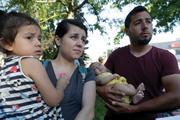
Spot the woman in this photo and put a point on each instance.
(79, 95)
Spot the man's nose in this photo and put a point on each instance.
(144, 25)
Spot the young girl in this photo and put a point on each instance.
(79, 98)
(24, 84)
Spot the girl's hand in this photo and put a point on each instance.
(63, 81)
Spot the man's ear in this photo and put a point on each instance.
(127, 31)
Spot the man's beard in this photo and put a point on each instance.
(143, 42)
(139, 42)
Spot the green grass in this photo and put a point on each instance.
(99, 109)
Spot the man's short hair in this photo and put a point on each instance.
(133, 12)
(2, 12)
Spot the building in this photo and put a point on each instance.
(172, 46)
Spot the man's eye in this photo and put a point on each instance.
(138, 22)
(149, 21)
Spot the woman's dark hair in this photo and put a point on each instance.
(10, 23)
(63, 26)
(133, 12)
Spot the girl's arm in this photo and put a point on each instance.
(88, 102)
(34, 69)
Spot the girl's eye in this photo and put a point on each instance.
(39, 38)
(29, 37)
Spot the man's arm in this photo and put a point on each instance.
(169, 100)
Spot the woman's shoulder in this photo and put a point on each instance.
(87, 73)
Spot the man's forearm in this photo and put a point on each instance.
(165, 102)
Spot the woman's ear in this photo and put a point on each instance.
(57, 40)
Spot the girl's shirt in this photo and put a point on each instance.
(19, 97)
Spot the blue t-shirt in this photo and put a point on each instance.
(72, 101)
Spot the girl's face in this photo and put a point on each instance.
(72, 43)
(27, 42)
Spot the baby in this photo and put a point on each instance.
(104, 77)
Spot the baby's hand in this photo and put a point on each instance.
(116, 76)
(139, 93)
(125, 88)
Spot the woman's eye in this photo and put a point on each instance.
(85, 41)
(74, 37)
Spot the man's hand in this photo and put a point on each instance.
(112, 96)
(110, 93)
(120, 107)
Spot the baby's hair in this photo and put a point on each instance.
(92, 65)
(10, 24)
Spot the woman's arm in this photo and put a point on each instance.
(88, 102)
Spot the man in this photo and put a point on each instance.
(140, 62)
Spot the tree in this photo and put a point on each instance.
(47, 13)
(166, 13)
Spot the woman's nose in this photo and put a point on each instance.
(80, 43)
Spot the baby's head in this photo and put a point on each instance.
(12, 25)
(98, 67)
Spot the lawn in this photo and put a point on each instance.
(100, 109)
